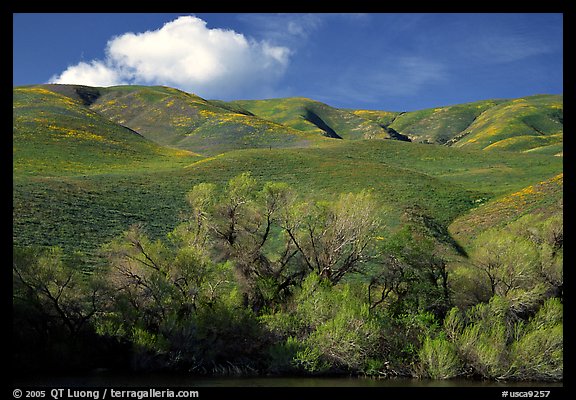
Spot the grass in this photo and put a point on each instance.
(174, 118)
(544, 197)
(382, 118)
(440, 125)
(311, 116)
(536, 116)
(56, 135)
(80, 212)
(80, 179)
(182, 120)
(521, 124)
(528, 143)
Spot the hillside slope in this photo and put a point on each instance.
(55, 134)
(533, 123)
(82, 212)
(440, 125)
(315, 117)
(82, 173)
(174, 118)
(521, 124)
(544, 197)
(182, 120)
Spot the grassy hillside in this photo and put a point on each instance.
(174, 118)
(81, 178)
(81, 212)
(182, 120)
(533, 123)
(382, 118)
(54, 134)
(312, 116)
(59, 148)
(544, 197)
(440, 125)
(520, 125)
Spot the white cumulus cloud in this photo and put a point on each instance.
(95, 73)
(186, 54)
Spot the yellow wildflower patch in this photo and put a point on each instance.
(78, 134)
(37, 90)
(86, 135)
(207, 114)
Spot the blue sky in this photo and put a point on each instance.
(396, 62)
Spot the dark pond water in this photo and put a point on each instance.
(108, 379)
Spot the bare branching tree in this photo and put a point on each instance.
(334, 239)
(57, 289)
(274, 241)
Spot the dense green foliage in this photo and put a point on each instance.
(255, 280)
(287, 249)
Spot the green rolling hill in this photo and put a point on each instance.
(185, 121)
(174, 118)
(543, 198)
(177, 119)
(55, 134)
(312, 116)
(89, 162)
(522, 124)
(439, 125)
(533, 124)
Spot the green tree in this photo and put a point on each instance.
(325, 328)
(242, 225)
(154, 279)
(55, 288)
(335, 239)
(547, 236)
(176, 306)
(507, 260)
(274, 241)
(54, 307)
(412, 275)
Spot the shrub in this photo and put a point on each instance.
(283, 355)
(347, 340)
(324, 328)
(403, 336)
(483, 341)
(310, 359)
(439, 358)
(537, 354)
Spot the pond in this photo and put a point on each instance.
(110, 379)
